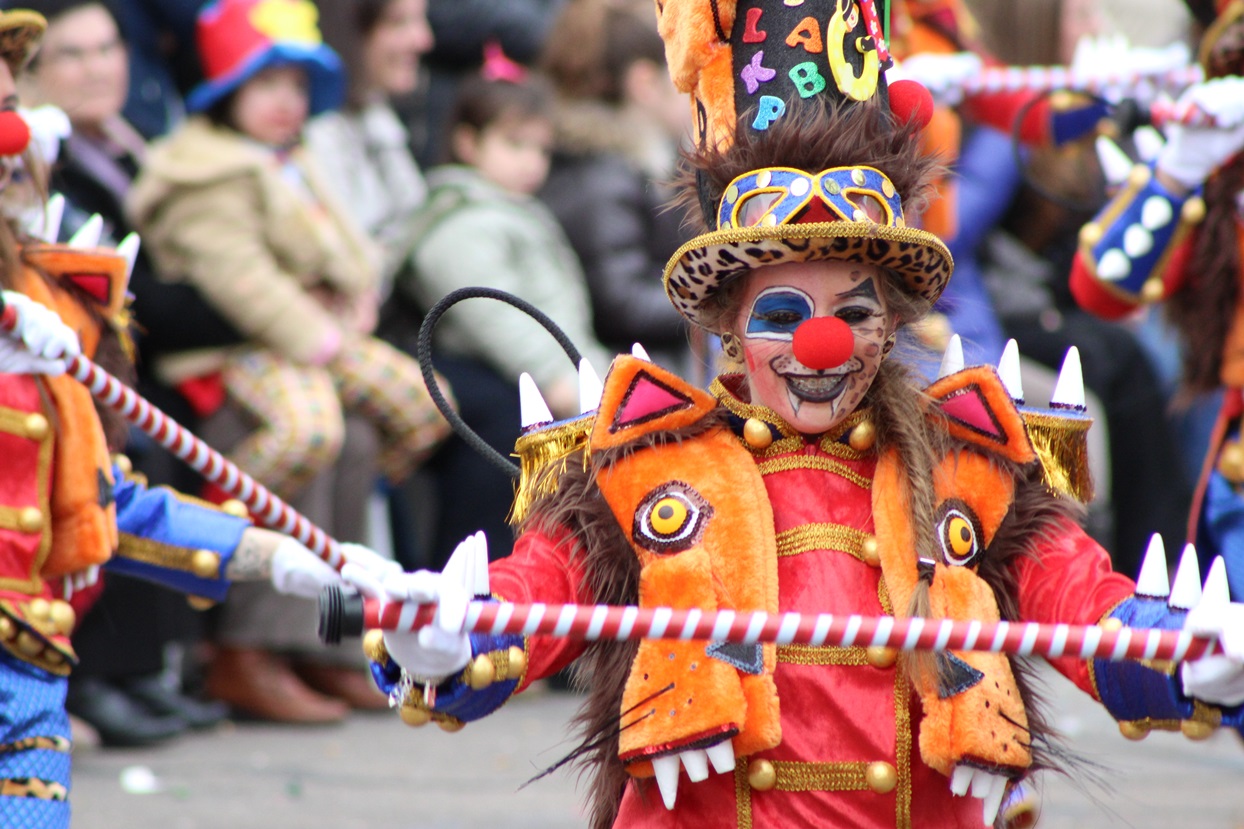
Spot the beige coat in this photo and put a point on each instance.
(214, 210)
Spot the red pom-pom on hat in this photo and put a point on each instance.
(911, 102)
(14, 133)
(823, 342)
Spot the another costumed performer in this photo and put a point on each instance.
(66, 506)
(1172, 234)
(815, 476)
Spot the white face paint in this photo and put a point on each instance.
(775, 301)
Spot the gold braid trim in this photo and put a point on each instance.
(50, 743)
(33, 787)
(148, 551)
(542, 457)
(902, 730)
(821, 655)
(1061, 444)
(820, 777)
(742, 795)
(787, 463)
(833, 537)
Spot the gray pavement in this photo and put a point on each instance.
(376, 773)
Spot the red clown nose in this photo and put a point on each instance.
(823, 342)
(14, 133)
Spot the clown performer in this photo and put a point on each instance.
(815, 476)
(68, 507)
(1172, 234)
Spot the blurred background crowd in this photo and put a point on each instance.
(301, 213)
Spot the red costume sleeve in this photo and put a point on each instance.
(1069, 580)
(543, 569)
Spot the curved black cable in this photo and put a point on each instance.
(423, 352)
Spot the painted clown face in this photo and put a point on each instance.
(850, 325)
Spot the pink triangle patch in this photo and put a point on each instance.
(647, 399)
(968, 407)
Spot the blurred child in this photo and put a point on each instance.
(481, 226)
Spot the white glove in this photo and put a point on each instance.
(40, 343)
(942, 75)
(1217, 679)
(442, 648)
(370, 560)
(296, 571)
(1191, 154)
(987, 786)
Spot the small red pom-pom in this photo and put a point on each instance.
(14, 133)
(823, 342)
(910, 101)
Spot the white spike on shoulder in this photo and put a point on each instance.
(639, 352)
(952, 360)
(533, 411)
(590, 387)
(50, 218)
(1217, 591)
(129, 250)
(1154, 579)
(666, 771)
(1186, 591)
(89, 234)
(1116, 165)
(1008, 370)
(1069, 390)
(1149, 142)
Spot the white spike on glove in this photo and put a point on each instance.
(1191, 153)
(442, 648)
(296, 571)
(1217, 679)
(40, 343)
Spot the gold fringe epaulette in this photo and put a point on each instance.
(1060, 438)
(542, 455)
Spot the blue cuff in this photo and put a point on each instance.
(457, 699)
(1139, 228)
(1131, 691)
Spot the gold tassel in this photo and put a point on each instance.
(1061, 443)
(542, 455)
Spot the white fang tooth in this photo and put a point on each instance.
(666, 769)
(1154, 580)
(721, 756)
(1008, 370)
(952, 360)
(696, 764)
(1186, 592)
(1069, 390)
(590, 387)
(533, 410)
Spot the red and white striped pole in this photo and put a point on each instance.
(597, 622)
(1049, 78)
(262, 503)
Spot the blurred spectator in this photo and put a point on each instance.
(619, 124)
(163, 60)
(363, 148)
(483, 227)
(461, 28)
(123, 686)
(231, 203)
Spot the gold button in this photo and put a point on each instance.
(205, 564)
(30, 520)
(881, 777)
(881, 657)
(7, 628)
(414, 717)
(63, 616)
(1090, 234)
(200, 602)
(373, 646)
(39, 610)
(1231, 462)
(870, 551)
(123, 463)
(29, 644)
(481, 673)
(761, 775)
(863, 436)
(1134, 730)
(757, 433)
(1153, 290)
(53, 657)
(1139, 175)
(1112, 624)
(857, 176)
(1193, 210)
(1196, 730)
(451, 726)
(518, 663)
(235, 507)
(36, 426)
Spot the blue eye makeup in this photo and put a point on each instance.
(777, 312)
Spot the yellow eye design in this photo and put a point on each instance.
(958, 533)
(670, 518)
